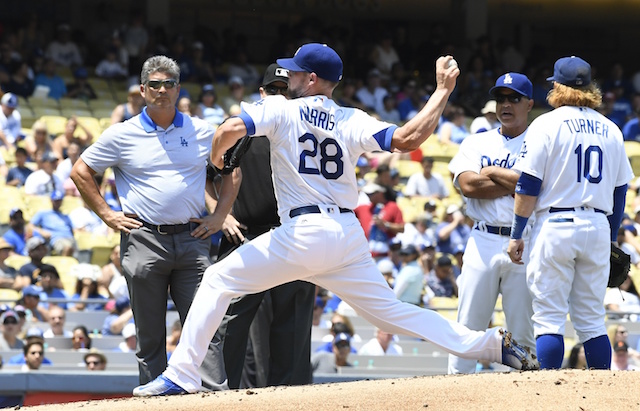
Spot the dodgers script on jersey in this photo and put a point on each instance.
(583, 173)
(490, 148)
(328, 138)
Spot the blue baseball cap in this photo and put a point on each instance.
(341, 337)
(57, 195)
(31, 290)
(315, 58)
(516, 82)
(10, 100)
(571, 71)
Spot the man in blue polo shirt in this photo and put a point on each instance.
(159, 161)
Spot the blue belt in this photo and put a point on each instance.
(506, 231)
(312, 209)
(565, 209)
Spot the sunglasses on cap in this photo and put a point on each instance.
(157, 84)
(513, 98)
(275, 90)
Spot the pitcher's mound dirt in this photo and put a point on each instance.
(539, 390)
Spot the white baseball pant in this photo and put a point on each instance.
(328, 249)
(487, 271)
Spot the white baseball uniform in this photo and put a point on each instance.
(579, 156)
(314, 148)
(487, 269)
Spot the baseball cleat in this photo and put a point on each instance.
(517, 356)
(160, 386)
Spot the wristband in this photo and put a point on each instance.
(518, 226)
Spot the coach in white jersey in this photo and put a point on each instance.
(574, 173)
(482, 171)
(159, 160)
(315, 145)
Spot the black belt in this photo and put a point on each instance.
(565, 209)
(170, 228)
(312, 209)
(506, 231)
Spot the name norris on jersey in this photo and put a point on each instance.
(581, 125)
(486, 161)
(318, 118)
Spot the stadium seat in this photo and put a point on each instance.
(40, 102)
(411, 207)
(55, 123)
(194, 90)
(39, 112)
(100, 113)
(70, 203)
(11, 197)
(446, 306)
(7, 295)
(633, 152)
(75, 111)
(35, 203)
(99, 84)
(92, 124)
(16, 261)
(66, 102)
(99, 247)
(28, 118)
(105, 122)
(100, 103)
(406, 168)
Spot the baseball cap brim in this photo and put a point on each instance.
(289, 64)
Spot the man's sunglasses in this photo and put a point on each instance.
(157, 84)
(513, 98)
(272, 90)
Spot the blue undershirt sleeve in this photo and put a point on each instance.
(615, 219)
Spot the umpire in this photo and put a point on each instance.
(281, 331)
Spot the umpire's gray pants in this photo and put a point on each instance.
(155, 265)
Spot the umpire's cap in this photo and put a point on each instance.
(571, 71)
(275, 73)
(315, 58)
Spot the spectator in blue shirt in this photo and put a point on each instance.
(18, 174)
(55, 226)
(16, 235)
(631, 129)
(49, 78)
(51, 286)
(442, 280)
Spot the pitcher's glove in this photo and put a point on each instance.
(233, 156)
(620, 266)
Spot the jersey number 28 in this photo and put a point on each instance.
(592, 153)
(330, 157)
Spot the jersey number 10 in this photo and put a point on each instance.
(592, 153)
(327, 146)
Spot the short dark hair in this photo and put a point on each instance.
(427, 159)
(21, 150)
(28, 345)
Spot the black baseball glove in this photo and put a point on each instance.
(233, 156)
(620, 266)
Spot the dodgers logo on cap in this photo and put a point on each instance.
(516, 82)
